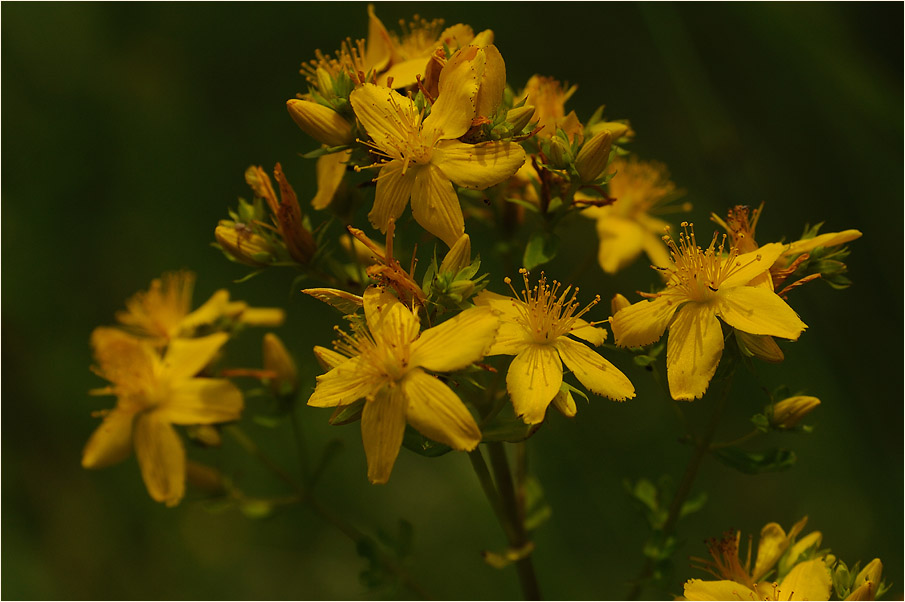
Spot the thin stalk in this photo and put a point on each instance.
(754, 433)
(490, 491)
(702, 448)
(347, 529)
(301, 447)
(515, 516)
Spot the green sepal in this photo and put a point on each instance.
(347, 414)
(423, 446)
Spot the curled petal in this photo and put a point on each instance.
(435, 205)
(382, 428)
(593, 371)
(759, 311)
(644, 322)
(693, 351)
(111, 442)
(478, 166)
(161, 458)
(438, 413)
(443, 348)
(534, 378)
(394, 188)
(451, 115)
(330, 170)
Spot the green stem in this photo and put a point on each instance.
(519, 538)
(754, 433)
(486, 481)
(702, 448)
(356, 536)
(301, 448)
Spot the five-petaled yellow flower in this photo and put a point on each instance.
(424, 158)
(386, 367)
(153, 393)
(164, 311)
(628, 226)
(704, 284)
(535, 328)
(806, 580)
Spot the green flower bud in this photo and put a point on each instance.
(321, 123)
(458, 256)
(520, 117)
(241, 244)
(593, 156)
(789, 412)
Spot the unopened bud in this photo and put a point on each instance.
(618, 302)
(321, 123)
(458, 256)
(564, 402)
(761, 346)
(242, 245)
(324, 82)
(560, 153)
(617, 129)
(867, 582)
(789, 412)
(593, 156)
(205, 434)
(206, 478)
(278, 361)
(265, 317)
(520, 117)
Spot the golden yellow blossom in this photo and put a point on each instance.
(703, 285)
(387, 367)
(807, 580)
(163, 312)
(535, 328)
(628, 226)
(424, 158)
(549, 100)
(153, 393)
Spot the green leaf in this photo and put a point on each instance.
(525, 204)
(537, 510)
(421, 445)
(761, 422)
(774, 460)
(541, 249)
(693, 504)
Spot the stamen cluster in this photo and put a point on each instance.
(544, 314)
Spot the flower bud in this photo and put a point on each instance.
(321, 123)
(205, 434)
(458, 256)
(520, 117)
(560, 154)
(593, 156)
(564, 402)
(789, 412)
(324, 82)
(267, 317)
(242, 245)
(760, 346)
(278, 360)
(206, 478)
(867, 582)
(616, 128)
(618, 302)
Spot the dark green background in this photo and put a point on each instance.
(126, 131)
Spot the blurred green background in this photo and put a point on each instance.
(127, 130)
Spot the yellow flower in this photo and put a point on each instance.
(807, 580)
(153, 393)
(386, 366)
(549, 100)
(534, 327)
(703, 285)
(163, 311)
(424, 157)
(628, 227)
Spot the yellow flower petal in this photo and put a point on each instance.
(389, 321)
(451, 115)
(584, 331)
(753, 264)
(621, 241)
(161, 458)
(405, 73)
(387, 116)
(594, 372)
(111, 442)
(348, 382)
(478, 166)
(187, 357)
(267, 317)
(693, 350)
(202, 401)
(698, 589)
(809, 580)
(533, 380)
(393, 192)
(124, 360)
(830, 239)
(506, 306)
(644, 322)
(772, 544)
(758, 311)
(655, 249)
(327, 358)
(435, 205)
(210, 311)
(377, 53)
(382, 427)
(438, 413)
(330, 170)
(493, 82)
(456, 343)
